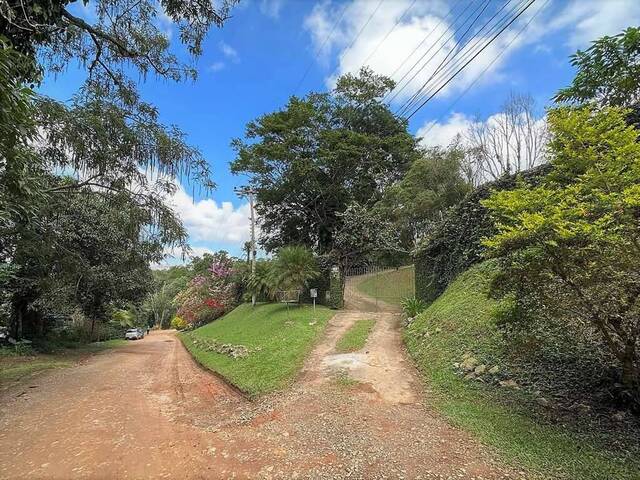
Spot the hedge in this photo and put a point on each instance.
(455, 243)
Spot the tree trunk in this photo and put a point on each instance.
(18, 326)
(630, 369)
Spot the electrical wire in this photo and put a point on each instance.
(397, 91)
(495, 59)
(388, 33)
(531, 2)
(306, 72)
(459, 57)
(455, 49)
(358, 35)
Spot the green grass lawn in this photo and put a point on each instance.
(460, 321)
(13, 368)
(356, 337)
(278, 341)
(391, 286)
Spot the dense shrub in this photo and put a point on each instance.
(178, 323)
(456, 242)
(572, 241)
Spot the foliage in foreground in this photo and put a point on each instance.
(277, 340)
(571, 245)
(412, 306)
(608, 72)
(462, 320)
(356, 337)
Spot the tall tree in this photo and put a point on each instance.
(309, 161)
(113, 37)
(432, 184)
(86, 251)
(608, 72)
(508, 142)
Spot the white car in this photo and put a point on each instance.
(134, 334)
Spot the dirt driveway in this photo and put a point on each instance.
(147, 411)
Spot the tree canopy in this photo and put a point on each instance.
(608, 72)
(319, 154)
(574, 240)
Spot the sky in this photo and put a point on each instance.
(272, 49)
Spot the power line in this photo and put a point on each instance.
(426, 37)
(395, 90)
(426, 91)
(358, 35)
(455, 48)
(463, 53)
(471, 59)
(306, 72)
(388, 33)
(495, 59)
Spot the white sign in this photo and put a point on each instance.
(313, 292)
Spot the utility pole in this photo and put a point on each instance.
(245, 191)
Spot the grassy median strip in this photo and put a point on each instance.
(271, 340)
(356, 336)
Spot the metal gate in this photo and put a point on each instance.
(374, 288)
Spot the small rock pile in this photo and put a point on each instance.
(212, 345)
(472, 369)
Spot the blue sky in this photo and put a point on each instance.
(254, 63)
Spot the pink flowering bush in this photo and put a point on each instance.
(209, 295)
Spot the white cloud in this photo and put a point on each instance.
(216, 66)
(589, 20)
(229, 52)
(271, 8)
(442, 134)
(578, 21)
(208, 221)
(385, 48)
(164, 22)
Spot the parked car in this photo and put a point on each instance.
(134, 334)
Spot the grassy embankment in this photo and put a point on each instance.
(391, 286)
(461, 321)
(356, 337)
(14, 368)
(277, 340)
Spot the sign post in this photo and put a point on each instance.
(313, 292)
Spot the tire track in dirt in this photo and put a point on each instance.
(148, 411)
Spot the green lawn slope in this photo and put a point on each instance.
(391, 286)
(461, 321)
(277, 339)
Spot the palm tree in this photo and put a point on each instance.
(293, 268)
(261, 282)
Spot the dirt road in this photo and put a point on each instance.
(147, 411)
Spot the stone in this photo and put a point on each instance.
(480, 369)
(510, 384)
(543, 402)
(619, 416)
(469, 364)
